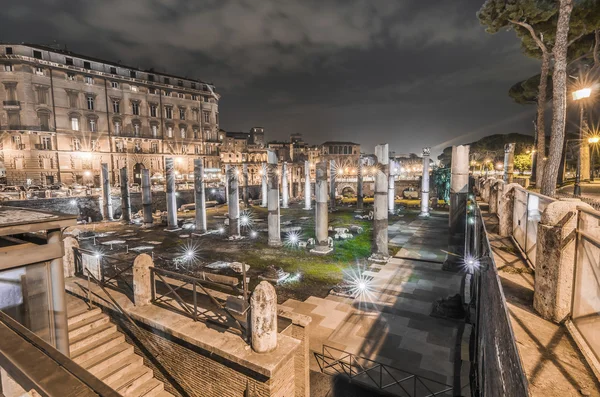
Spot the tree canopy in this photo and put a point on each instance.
(492, 147)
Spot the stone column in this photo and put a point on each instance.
(199, 195)
(359, 184)
(284, 186)
(147, 197)
(142, 280)
(307, 195)
(171, 198)
(495, 193)
(69, 256)
(509, 162)
(459, 190)
(59, 301)
(332, 184)
(380, 251)
(246, 197)
(263, 318)
(125, 202)
(106, 196)
(584, 155)
(555, 253)
(391, 187)
(227, 167)
(506, 207)
(264, 190)
(321, 214)
(425, 184)
(274, 227)
(233, 202)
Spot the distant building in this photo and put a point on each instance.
(64, 114)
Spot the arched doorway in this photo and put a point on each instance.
(137, 173)
(348, 191)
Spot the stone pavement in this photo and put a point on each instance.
(392, 323)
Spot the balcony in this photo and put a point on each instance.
(12, 105)
(39, 146)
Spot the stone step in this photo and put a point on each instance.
(98, 346)
(107, 358)
(91, 336)
(164, 394)
(87, 324)
(149, 389)
(112, 373)
(132, 379)
(82, 314)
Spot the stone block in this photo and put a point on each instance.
(142, 282)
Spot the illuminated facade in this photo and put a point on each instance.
(64, 114)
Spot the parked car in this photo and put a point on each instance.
(5, 197)
(34, 188)
(13, 191)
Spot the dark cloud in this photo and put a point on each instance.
(409, 72)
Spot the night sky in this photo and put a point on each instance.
(411, 73)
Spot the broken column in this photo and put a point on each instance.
(125, 201)
(106, 196)
(263, 318)
(307, 194)
(233, 202)
(391, 187)
(226, 183)
(380, 251)
(264, 190)
(332, 183)
(459, 190)
(425, 184)
(273, 201)
(171, 198)
(506, 207)
(199, 195)
(509, 162)
(284, 186)
(495, 193)
(245, 195)
(321, 214)
(359, 184)
(142, 280)
(146, 197)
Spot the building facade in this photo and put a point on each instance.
(64, 114)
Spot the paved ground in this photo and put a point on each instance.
(590, 190)
(552, 362)
(393, 325)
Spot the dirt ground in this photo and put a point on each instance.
(186, 253)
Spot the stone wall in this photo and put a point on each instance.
(85, 207)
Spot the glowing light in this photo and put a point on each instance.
(499, 166)
(292, 239)
(221, 230)
(86, 155)
(73, 202)
(98, 255)
(594, 139)
(582, 93)
(341, 172)
(179, 160)
(247, 219)
(360, 286)
(253, 234)
(87, 173)
(213, 190)
(470, 263)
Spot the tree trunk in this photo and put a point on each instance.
(559, 102)
(541, 127)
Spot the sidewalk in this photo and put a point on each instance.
(552, 362)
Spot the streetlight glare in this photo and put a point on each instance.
(594, 139)
(582, 93)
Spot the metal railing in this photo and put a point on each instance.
(376, 375)
(595, 204)
(115, 273)
(585, 314)
(496, 368)
(188, 296)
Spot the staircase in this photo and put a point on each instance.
(96, 345)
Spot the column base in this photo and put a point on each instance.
(275, 243)
(307, 208)
(321, 250)
(424, 215)
(378, 258)
(235, 237)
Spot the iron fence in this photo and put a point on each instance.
(376, 375)
(585, 314)
(595, 204)
(113, 272)
(496, 368)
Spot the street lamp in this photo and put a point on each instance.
(593, 140)
(578, 96)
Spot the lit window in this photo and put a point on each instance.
(92, 125)
(184, 149)
(74, 123)
(154, 130)
(117, 127)
(136, 129)
(182, 131)
(76, 144)
(8, 68)
(170, 132)
(90, 103)
(134, 88)
(39, 71)
(89, 80)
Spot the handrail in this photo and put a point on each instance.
(592, 212)
(112, 263)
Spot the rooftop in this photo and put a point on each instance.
(339, 143)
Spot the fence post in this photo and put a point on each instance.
(142, 281)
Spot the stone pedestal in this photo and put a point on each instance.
(379, 249)
(509, 162)
(233, 202)
(459, 189)
(142, 281)
(264, 190)
(332, 184)
(171, 198)
(359, 185)
(273, 220)
(125, 201)
(307, 192)
(321, 214)
(425, 184)
(69, 256)
(284, 186)
(245, 193)
(107, 210)
(392, 188)
(556, 245)
(263, 318)
(199, 195)
(147, 197)
(495, 193)
(506, 206)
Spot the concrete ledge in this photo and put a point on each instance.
(591, 359)
(223, 344)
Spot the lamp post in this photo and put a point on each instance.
(578, 96)
(594, 140)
